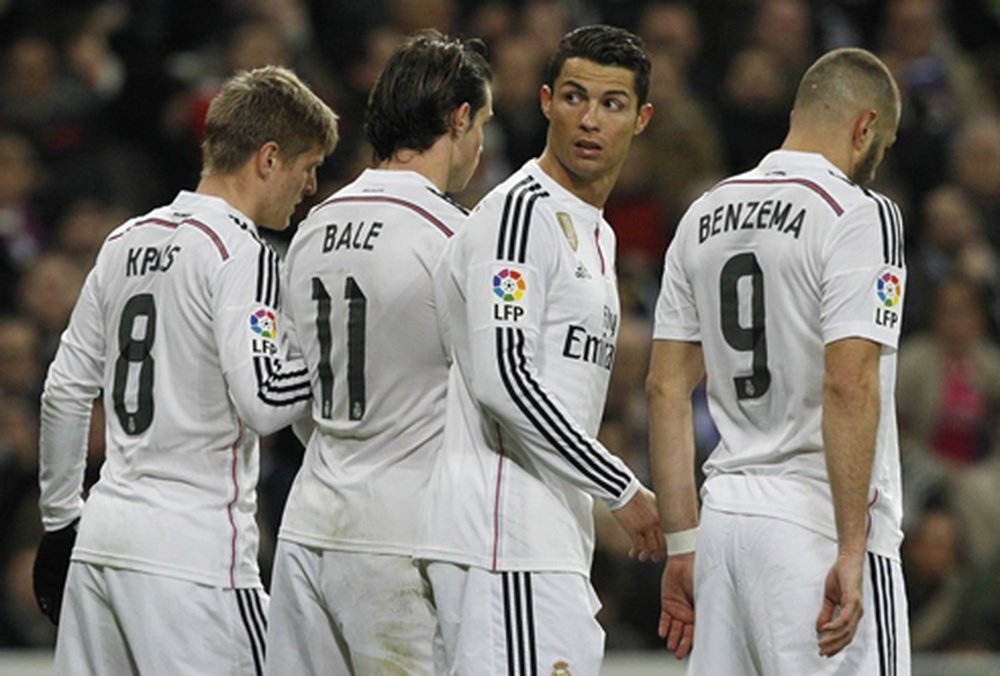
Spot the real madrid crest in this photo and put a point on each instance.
(566, 223)
(561, 668)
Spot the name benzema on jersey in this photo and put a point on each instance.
(751, 215)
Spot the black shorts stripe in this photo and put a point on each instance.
(884, 595)
(507, 624)
(548, 419)
(254, 635)
(519, 624)
(530, 623)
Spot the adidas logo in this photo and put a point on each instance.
(582, 272)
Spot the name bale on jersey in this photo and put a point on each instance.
(143, 259)
(359, 236)
(751, 215)
(581, 345)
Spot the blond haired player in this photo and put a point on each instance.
(179, 323)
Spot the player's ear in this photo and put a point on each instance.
(545, 98)
(266, 159)
(460, 120)
(863, 131)
(645, 115)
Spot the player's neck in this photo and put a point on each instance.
(593, 191)
(234, 189)
(432, 163)
(826, 144)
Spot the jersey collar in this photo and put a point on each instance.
(187, 201)
(778, 160)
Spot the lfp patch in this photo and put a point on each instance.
(509, 285)
(888, 289)
(264, 324)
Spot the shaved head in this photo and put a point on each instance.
(841, 83)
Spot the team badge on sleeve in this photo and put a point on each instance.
(888, 299)
(264, 324)
(509, 288)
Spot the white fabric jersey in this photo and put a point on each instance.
(179, 323)
(528, 286)
(766, 269)
(361, 292)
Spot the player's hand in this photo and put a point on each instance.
(842, 604)
(641, 521)
(51, 567)
(677, 604)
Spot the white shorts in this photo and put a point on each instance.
(338, 612)
(515, 623)
(115, 622)
(758, 590)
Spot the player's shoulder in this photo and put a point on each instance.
(523, 195)
(407, 193)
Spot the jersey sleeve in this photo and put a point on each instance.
(864, 274)
(506, 297)
(72, 384)
(262, 363)
(676, 313)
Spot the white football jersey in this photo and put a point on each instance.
(529, 293)
(765, 270)
(360, 281)
(179, 324)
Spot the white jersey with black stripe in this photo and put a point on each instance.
(360, 288)
(179, 324)
(529, 290)
(766, 269)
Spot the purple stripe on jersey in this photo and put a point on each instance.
(496, 500)
(190, 221)
(229, 508)
(815, 187)
(393, 200)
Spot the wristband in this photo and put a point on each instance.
(682, 541)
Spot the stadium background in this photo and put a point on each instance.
(101, 106)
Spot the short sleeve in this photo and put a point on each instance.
(864, 275)
(676, 313)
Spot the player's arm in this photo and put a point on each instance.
(850, 422)
(264, 369)
(862, 282)
(507, 385)
(73, 383)
(676, 368)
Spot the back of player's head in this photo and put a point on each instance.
(607, 46)
(426, 78)
(261, 105)
(845, 80)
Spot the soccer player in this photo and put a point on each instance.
(783, 286)
(346, 595)
(528, 286)
(179, 323)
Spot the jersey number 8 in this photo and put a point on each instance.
(139, 312)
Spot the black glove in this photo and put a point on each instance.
(51, 568)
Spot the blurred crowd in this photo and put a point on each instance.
(101, 106)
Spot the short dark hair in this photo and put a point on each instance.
(607, 46)
(426, 78)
